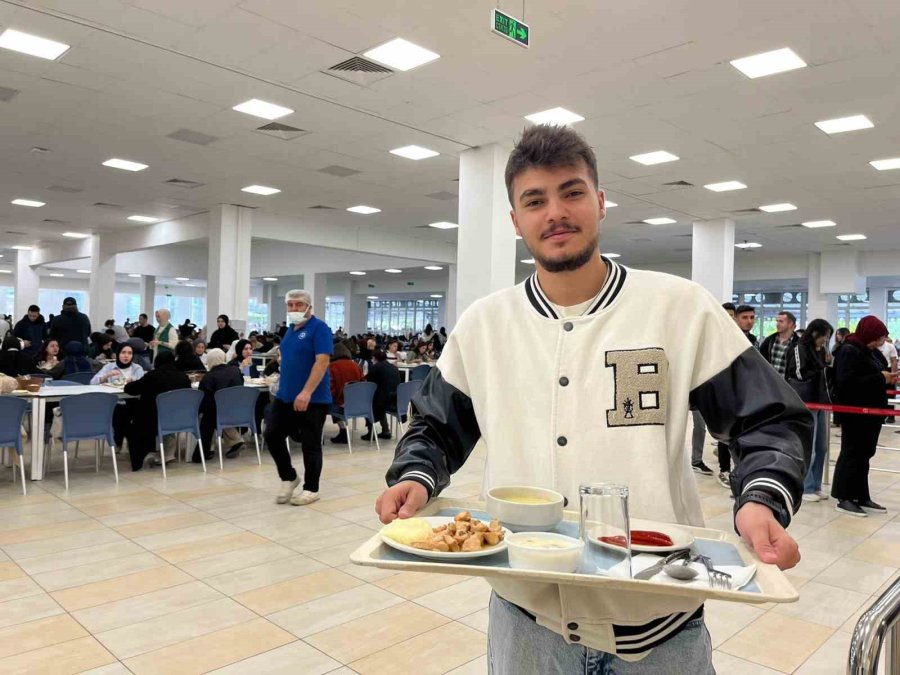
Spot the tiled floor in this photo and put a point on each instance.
(206, 573)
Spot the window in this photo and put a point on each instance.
(768, 304)
(396, 316)
(257, 316)
(50, 300)
(126, 306)
(852, 308)
(7, 297)
(893, 312)
(334, 312)
(182, 307)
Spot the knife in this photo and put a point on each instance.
(655, 568)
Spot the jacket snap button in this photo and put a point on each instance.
(573, 626)
(567, 326)
(564, 381)
(575, 638)
(562, 440)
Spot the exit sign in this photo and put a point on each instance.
(510, 28)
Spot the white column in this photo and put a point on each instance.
(228, 280)
(270, 298)
(486, 244)
(878, 301)
(358, 314)
(27, 284)
(148, 295)
(102, 287)
(819, 305)
(316, 286)
(344, 289)
(450, 299)
(712, 257)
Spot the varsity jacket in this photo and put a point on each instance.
(604, 397)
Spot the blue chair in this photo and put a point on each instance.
(78, 378)
(177, 411)
(61, 383)
(12, 412)
(405, 392)
(236, 407)
(358, 397)
(88, 417)
(419, 373)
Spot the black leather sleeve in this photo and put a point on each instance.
(442, 432)
(768, 429)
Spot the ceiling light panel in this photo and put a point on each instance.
(433, 268)
(392, 270)
(748, 244)
(851, 237)
(270, 278)
(769, 63)
(778, 208)
(726, 186)
(886, 164)
(27, 202)
(261, 190)
(656, 157)
(22, 247)
(401, 54)
(364, 210)
(32, 45)
(144, 219)
(443, 225)
(83, 271)
(135, 276)
(660, 221)
(358, 274)
(554, 116)
(414, 152)
(842, 124)
(263, 109)
(124, 164)
(76, 235)
(813, 224)
(613, 255)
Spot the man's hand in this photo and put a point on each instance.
(301, 403)
(401, 501)
(154, 344)
(766, 537)
(27, 343)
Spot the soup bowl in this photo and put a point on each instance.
(523, 508)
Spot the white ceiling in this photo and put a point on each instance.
(645, 80)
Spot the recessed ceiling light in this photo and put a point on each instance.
(391, 270)
(851, 237)
(842, 124)
(436, 295)
(886, 164)
(660, 221)
(555, 116)
(401, 54)
(270, 278)
(261, 190)
(613, 255)
(748, 244)
(656, 157)
(32, 44)
(358, 274)
(27, 202)
(56, 274)
(135, 276)
(21, 247)
(610, 205)
(769, 63)
(182, 278)
(414, 152)
(124, 164)
(143, 219)
(83, 271)
(191, 285)
(443, 225)
(727, 186)
(363, 209)
(371, 297)
(527, 261)
(5, 271)
(818, 223)
(433, 268)
(264, 109)
(75, 235)
(778, 208)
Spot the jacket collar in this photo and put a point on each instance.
(612, 287)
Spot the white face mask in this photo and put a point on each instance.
(297, 318)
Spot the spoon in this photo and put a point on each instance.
(682, 572)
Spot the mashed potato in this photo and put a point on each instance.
(408, 531)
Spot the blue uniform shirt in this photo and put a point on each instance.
(299, 348)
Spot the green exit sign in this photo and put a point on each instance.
(510, 28)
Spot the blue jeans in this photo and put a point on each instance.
(813, 480)
(519, 646)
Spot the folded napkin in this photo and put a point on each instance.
(740, 576)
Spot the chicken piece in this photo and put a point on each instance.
(491, 538)
(463, 517)
(463, 527)
(460, 538)
(423, 545)
(473, 543)
(448, 538)
(495, 526)
(442, 546)
(440, 528)
(451, 527)
(454, 547)
(478, 526)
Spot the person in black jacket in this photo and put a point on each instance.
(142, 433)
(223, 337)
(33, 330)
(387, 377)
(221, 375)
(805, 368)
(13, 361)
(861, 379)
(186, 360)
(775, 347)
(71, 325)
(144, 329)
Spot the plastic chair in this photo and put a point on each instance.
(419, 373)
(12, 412)
(61, 383)
(358, 397)
(88, 417)
(236, 407)
(176, 411)
(405, 392)
(78, 378)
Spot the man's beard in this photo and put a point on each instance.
(571, 263)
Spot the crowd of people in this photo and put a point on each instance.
(858, 370)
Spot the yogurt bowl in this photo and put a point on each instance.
(546, 551)
(524, 508)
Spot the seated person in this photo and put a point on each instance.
(185, 359)
(342, 370)
(273, 367)
(49, 361)
(221, 375)
(243, 359)
(101, 346)
(388, 379)
(200, 351)
(141, 353)
(393, 354)
(13, 361)
(123, 367)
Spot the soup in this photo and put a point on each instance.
(536, 542)
(525, 499)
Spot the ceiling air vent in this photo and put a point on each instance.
(747, 211)
(284, 132)
(7, 94)
(65, 188)
(21, 234)
(679, 183)
(57, 222)
(443, 196)
(189, 136)
(180, 182)
(339, 171)
(322, 207)
(359, 71)
(104, 205)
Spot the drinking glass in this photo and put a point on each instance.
(605, 527)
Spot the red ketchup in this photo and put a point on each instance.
(639, 538)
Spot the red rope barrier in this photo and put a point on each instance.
(893, 392)
(853, 410)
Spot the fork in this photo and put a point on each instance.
(717, 578)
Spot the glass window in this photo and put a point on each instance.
(852, 308)
(395, 316)
(50, 300)
(126, 306)
(893, 312)
(257, 315)
(334, 312)
(182, 307)
(7, 296)
(768, 304)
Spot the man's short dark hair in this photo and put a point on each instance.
(789, 315)
(379, 355)
(34, 308)
(742, 309)
(842, 331)
(549, 147)
(728, 306)
(143, 316)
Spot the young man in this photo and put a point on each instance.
(608, 388)
(745, 316)
(144, 330)
(775, 347)
(32, 330)
(303, 399)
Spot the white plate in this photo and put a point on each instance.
(681, 538)
(436, 521)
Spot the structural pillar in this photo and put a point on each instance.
(27, 285)
(819, 305)
(316, 286)
(148, 295)
(878, 298)
(486, 244)
(228, 285)
(102, 287)
(712, 257)
(450, 298)
(269, 297)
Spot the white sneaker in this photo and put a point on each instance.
(304, 498)
(824, 495)
(811, 497)
(287, 490)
